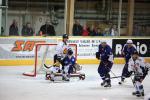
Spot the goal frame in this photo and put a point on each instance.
(36, 57)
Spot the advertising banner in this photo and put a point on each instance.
(20, 48)
(87, 47)
(24, 48)
(141, 45)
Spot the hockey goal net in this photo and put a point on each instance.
(44, 54)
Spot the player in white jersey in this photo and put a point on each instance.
(61, 52)
(61, 49)
(138, 67)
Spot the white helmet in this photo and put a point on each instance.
(103, 41)
(129, 41)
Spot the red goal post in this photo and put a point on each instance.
(38, 47)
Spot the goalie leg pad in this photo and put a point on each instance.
(77, 67)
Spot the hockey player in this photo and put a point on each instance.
(61, 52)
(61, 48)
(68, 64)
(105, 55)
(138, 67)
(127, 52)
(52, 71)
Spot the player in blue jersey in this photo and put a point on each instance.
(105, 55)
(127, 51)
(67, 65)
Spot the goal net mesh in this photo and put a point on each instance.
(44, 54)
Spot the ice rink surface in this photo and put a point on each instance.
(15, 86)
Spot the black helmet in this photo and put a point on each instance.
(70, 52)
(65, 36)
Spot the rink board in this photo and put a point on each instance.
(11, 54)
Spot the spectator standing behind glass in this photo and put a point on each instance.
(77, 28)
(96, 32)
(27, 30)
(13, 29)
(136, 30)
(2, 31)
(85, 31)
(92, 30)
(113, 30)
(47, 29)
(99, 32)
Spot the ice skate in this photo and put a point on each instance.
(107, 84)
(138, 94)
(103, 83)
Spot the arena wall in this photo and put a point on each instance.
(20, 50)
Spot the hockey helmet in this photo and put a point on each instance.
(135, 53)
(129, 41)
(65, 36)
(70, 52)
(103, 41)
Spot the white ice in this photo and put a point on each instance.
(15, 86)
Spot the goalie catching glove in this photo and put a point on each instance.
(56, 64)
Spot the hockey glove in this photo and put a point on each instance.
(60, 58)
(97, 55)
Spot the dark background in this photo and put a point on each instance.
(123, 41)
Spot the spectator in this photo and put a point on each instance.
(13, 29)
(136, 30)
(47, 29)
(113, 30)
(106, 32)
(96, 32)
(27, 30)
(2, 30)
(77, 28)
(143, 30)
(85, 31)
(147, 29)
(92, 30)
(99, 32)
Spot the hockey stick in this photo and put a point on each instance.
(115, 77)
(119, 76)
(46, 66)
